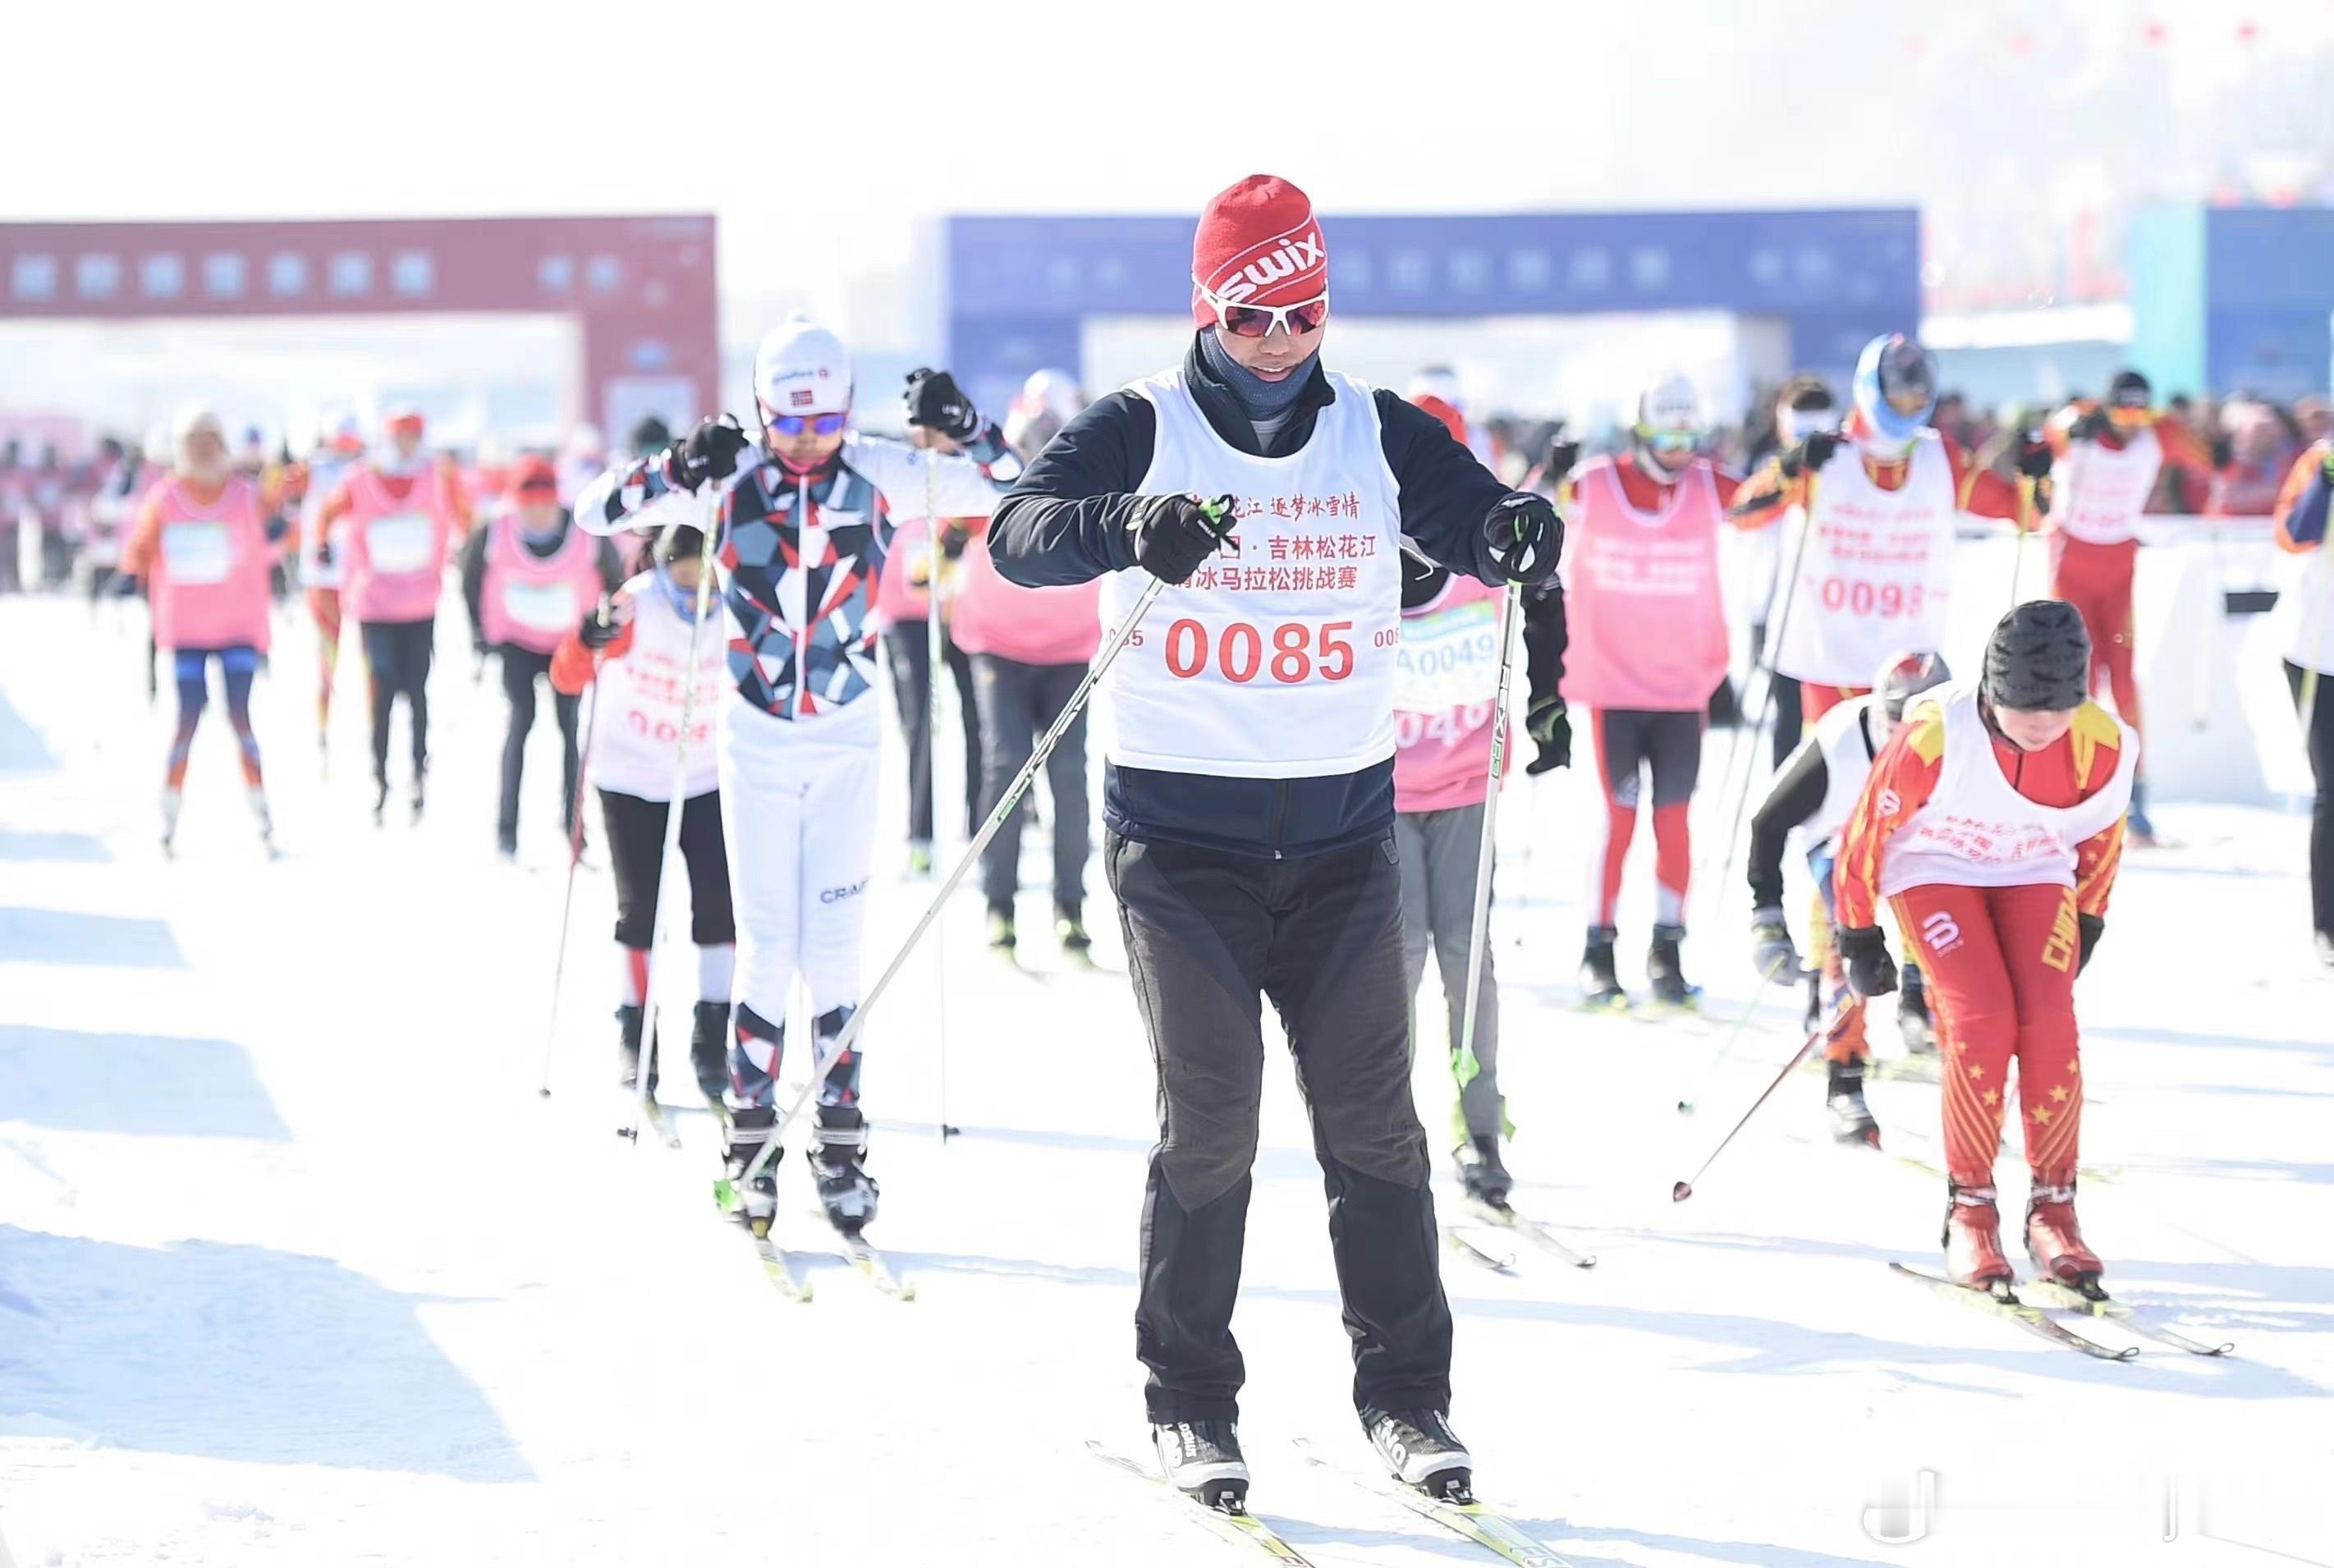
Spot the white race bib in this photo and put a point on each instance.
(541, 606)
(398, 545)
(196, 554)
(1448, 659)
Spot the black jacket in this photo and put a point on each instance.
(474, 568)
(1066, 522)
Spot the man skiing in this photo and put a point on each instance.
(1647, 645)
(638, 653)
(406, 515)
(1814, 790)
(805, 521)
(1992, 823)
(1867, 559)
(1250, 802)
(201, 545)
(321, 548)
(527, 577)
(2108, 459)
(1444, 697)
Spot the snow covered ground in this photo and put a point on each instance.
(298, 1268)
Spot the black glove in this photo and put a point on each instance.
(1561, 456)
(1771, 949)
(1551, 728)
(123, 586)
(598, 631)
(1813, 451)
(2091, 927)
(1871, 971)
(323, 552)
(2224, 451)
(954, 537)
(2091, 426)
(1172, 536)
(2034, 457)
(711, 452)
(1525, 536)
(937, 403)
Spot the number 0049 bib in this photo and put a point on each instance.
(1278, 659)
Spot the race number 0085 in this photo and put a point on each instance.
(1296, 651)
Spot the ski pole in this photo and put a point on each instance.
(1463, 1065)
(1718, 1058)
(822, 1062)
(674, 802)
(574, 859)
(1684, 1190)
(1776, 631)
(935, 655)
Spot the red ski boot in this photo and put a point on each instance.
(2055, 1241)
(1972, 1239)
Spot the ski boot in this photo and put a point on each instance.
(2326, 949)
(266, 819)
(1201, 1460)
(753, 1204)
(413, 799)
(1851, 1119)
(838, 1154)
(1421, 1451)
(1481, 1173)
(1003, 938)
(1972, 1238)
(708, 1049)
(920, 857)
(1662, 969)
(2055, 1242)
(1600, 985)
(1070, 929)
(1914, 1024)
(631, 1020)
(172, 799)
(379, 800)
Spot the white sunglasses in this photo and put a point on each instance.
(1259, 321)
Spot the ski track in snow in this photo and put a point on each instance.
(296, 1268)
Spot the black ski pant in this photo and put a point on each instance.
(2317, 692)
(1211, 934)
(904, 645)
(1019, 703)
(397, 663)
(521, 670)
(636, 830)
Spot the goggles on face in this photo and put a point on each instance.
(799, 424)
(1259, 321)
(1669, 441)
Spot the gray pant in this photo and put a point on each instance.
(1019, 702)
(1438, 905)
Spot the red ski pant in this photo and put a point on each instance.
(2096, 579)
(325, 606)
(1815, 701)
(2000, 968)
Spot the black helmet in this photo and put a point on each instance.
(2129, 389)
(679, 540)
(2039, 658)
(1907, 674)
(649, 437)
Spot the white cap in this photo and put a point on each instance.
(1055, 392)
(1439, 382)
(1668, 404)
(800, 369)
(192, 422)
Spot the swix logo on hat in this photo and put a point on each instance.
(1257, 243)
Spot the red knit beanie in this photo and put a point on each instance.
(1258, 245)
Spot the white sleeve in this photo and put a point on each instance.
(633, 498)
(957, 486)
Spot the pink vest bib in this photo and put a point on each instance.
(397, 548)
(1030, 625)
(1641, 596)
(1446, 681)
(532, 601)
(209, 582)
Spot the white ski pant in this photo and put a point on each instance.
(797, 811)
